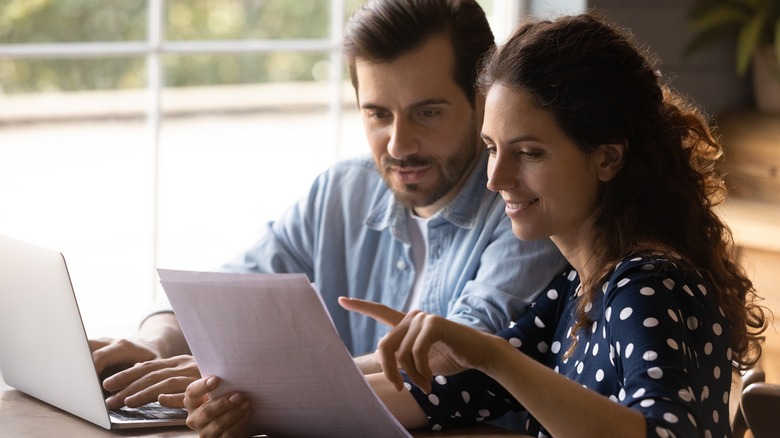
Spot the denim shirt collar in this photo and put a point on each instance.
(461, 211)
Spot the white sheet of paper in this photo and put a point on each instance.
(270, 337)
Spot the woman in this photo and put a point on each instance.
(640, 336)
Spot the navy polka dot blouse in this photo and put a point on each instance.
(657, 343)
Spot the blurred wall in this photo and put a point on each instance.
(707, 76)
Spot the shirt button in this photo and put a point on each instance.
(401, 265)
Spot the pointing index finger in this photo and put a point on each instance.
(377, 311)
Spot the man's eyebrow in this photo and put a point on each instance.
(415, 105)
(431, 101)
(434, 101)
(371, 106)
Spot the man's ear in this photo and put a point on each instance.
(608, 160)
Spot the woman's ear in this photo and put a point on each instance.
(609, 160)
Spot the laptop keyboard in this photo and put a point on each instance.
(151, 411)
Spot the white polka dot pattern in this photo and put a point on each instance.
(654, 342)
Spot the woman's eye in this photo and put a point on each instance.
(529, 154)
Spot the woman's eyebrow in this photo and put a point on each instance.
(518, 139)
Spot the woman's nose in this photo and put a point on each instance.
(501, 176)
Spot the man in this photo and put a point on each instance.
(413, 227)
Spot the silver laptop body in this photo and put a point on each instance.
(44, 351)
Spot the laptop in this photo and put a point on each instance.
(44, 350)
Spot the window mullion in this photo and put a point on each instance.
(154, 84)
(336, 72)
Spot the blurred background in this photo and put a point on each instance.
(138, 134)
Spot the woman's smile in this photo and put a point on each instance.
(513, 206)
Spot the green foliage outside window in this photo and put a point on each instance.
(78, 21)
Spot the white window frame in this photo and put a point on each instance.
(503, 17)
(155, 46)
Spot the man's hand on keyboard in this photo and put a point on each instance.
(114, 355)
(162, 380)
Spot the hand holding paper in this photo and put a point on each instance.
(269, 337)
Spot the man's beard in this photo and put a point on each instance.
(449, 174)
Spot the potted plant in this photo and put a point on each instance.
(756, 26)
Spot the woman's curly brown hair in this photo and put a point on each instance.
(602, 89)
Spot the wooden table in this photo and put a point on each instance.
(22, 416)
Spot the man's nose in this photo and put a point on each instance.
(403, 140)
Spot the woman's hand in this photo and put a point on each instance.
(224, 417)
(422, 344)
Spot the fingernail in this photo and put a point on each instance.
(211, 382)
(235, 398)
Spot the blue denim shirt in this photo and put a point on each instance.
(351, 237)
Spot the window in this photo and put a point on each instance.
(166, 133)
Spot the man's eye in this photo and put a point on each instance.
(377, 114)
